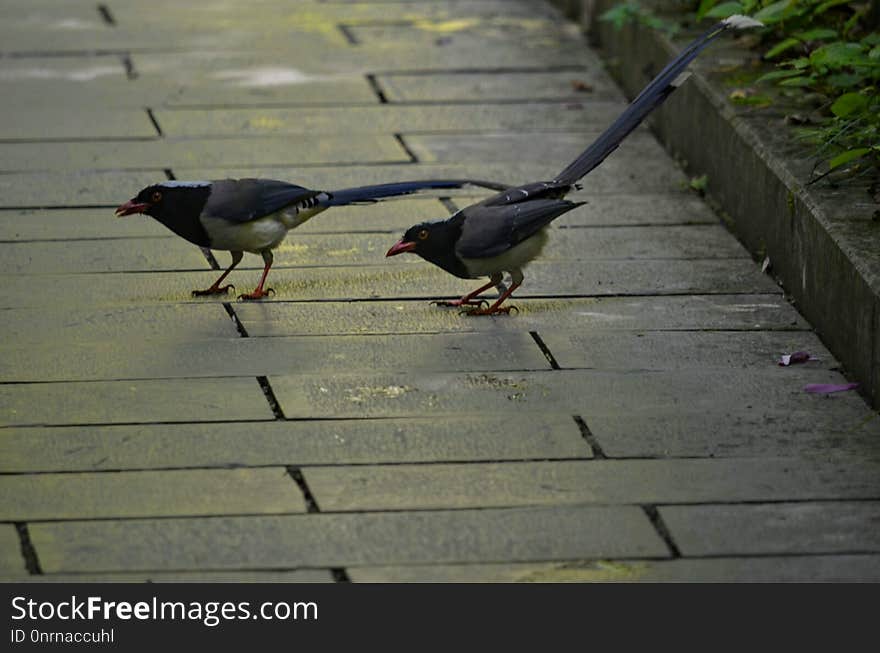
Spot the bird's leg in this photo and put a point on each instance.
(217, 289)
(516, 279)
(469, 299)
(259, 293)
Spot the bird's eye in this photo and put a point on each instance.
(157, 196)
(423, 234)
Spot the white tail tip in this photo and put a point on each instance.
(738, 21)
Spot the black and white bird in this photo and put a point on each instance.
(254, 215)
(508, 230)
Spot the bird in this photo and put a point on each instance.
(254, 215)
(508, 230)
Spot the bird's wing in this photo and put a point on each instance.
(243, 200)
(492, 230)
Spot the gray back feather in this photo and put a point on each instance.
(243, 200)
(489, 231)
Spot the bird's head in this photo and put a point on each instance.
(430, 240)
(158, 199)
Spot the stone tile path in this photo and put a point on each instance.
(630, 423)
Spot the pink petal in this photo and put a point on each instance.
(825, 388)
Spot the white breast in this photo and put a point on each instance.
(515, 258)
(262, 234)
(254, 236)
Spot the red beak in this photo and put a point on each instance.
(400, 247)
(131, 207)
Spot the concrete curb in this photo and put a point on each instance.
(821, 242)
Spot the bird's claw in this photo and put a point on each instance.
(490, 311)
(257, 294)
(213, 290)
(459, 302)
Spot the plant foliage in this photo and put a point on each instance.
(824, 52)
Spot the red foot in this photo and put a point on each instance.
(213, 290)
(494, 310)
(259, 293)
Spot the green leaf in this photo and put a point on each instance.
(799, 64)
(818, 34)
(773, 13)
(705, 5)
(836, 55)
(798, 81)
(781, 47)
(872, 39)
(844, 80)
(825, 6)
(846, 157)
(777, 74)
(874, 54)
(849, 103)
(620, 15)
(724, 10)
(700, 184)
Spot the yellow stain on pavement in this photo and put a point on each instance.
(600, 570)
(264, 122)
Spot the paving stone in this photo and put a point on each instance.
(116, 255)
(591, 118)
(417, 280)
(295, 576)
(61, 123)
(586, 86)
(736, 431)
(169, 322)
(575, 392)
(649, 172)
(655, 242)
(73, 224)
(681, 350)
(691, 312)
(66, 189)
(11, 559)
(133, 401)
(313, 27)
(73, 88)
(316, 540)
(435, 14)
(636, 209)
(42, 25)
(35, 497)
(463, 33)
(165, 359)
(308, 54)
(827, 527)
(610, 482)
(253, 78)
(823, 568)
(299, 443)
(109, 155)
(184, 79)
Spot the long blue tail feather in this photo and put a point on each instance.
(369, 194)
(649, 99)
